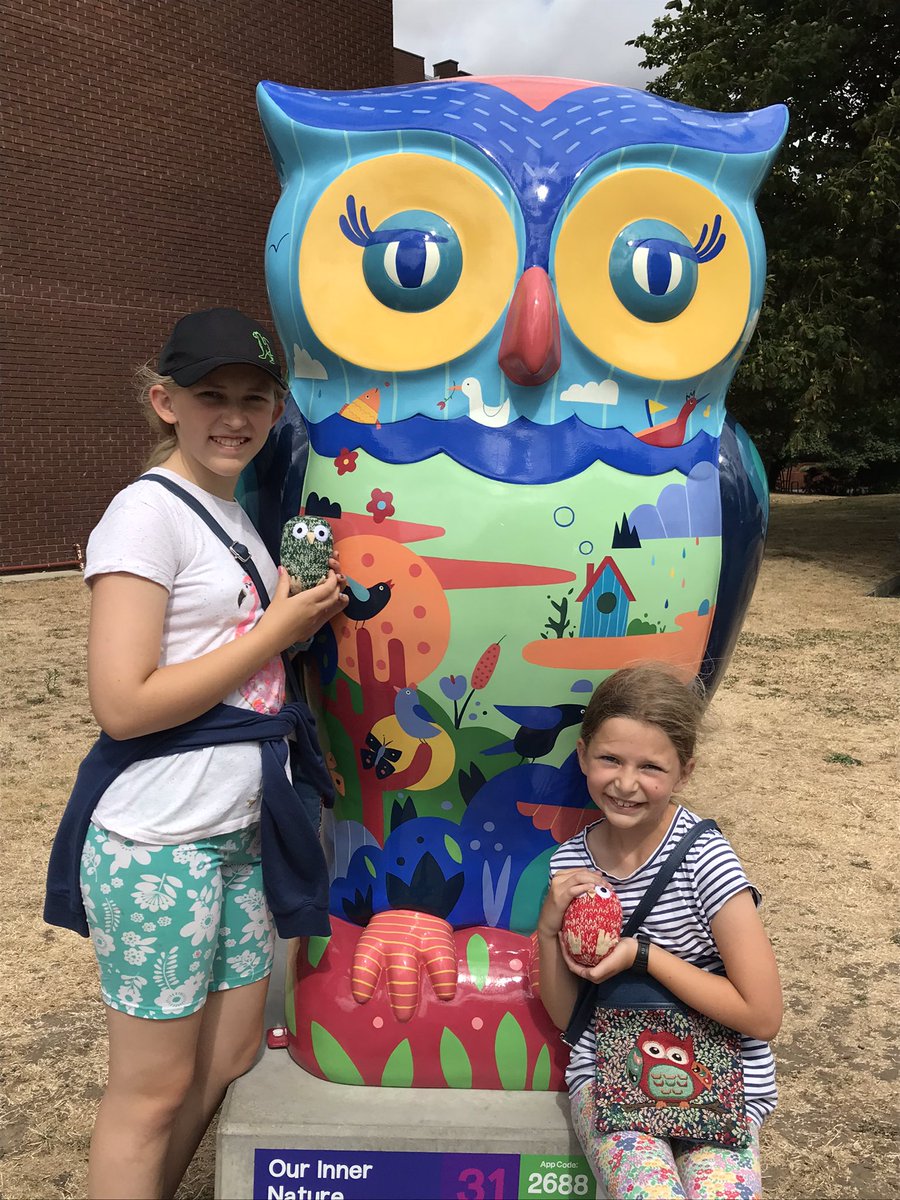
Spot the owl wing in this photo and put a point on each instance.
(702, 1075)
(634, 1064)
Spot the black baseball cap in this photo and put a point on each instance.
(216, 337)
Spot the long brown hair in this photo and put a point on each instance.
(655, 694)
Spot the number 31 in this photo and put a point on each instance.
(474, 1181)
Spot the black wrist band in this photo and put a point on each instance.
(642, 958)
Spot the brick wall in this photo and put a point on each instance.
(137, 187)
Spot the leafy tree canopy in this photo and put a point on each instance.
(821, 379)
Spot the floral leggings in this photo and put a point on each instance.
(638, 1166)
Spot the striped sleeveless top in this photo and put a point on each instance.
(710, 874)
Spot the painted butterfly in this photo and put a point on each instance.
(379, 755)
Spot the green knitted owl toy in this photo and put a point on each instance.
(307, 543)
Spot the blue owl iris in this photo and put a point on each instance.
(411, 262)
(653, 267)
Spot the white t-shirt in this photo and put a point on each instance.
(146, 531)
(679, 922)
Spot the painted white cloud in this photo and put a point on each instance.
(581, 39)
(606, 392)
(307, 367)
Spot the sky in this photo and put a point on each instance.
(581, 39)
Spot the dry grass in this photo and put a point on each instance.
(814, 675)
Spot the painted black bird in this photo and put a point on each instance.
(539, 727)
(364, 603)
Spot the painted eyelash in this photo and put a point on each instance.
(709, 244)
(356, 229)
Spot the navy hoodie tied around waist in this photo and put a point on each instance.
(295, 876)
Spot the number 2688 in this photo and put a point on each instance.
(557, 1183)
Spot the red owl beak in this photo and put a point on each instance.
(529, 349)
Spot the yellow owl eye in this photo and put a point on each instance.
(653, 274)
(355, 305)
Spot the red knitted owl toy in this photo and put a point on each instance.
(592, 925)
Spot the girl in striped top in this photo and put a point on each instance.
(703, 940)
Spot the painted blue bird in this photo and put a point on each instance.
(539, 727)
(364, 603)
(413, 717)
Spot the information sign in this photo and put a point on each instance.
(396, 1175)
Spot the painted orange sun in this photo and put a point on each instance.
(417, 613)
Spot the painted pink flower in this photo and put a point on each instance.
(346, 461)
(381, 505)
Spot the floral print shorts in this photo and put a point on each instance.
(171, 923)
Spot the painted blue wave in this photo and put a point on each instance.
(521, 452)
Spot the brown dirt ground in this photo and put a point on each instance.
(814, 675)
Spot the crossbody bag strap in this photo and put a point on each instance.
(586, 1001)
(664, 876)
(237, 550)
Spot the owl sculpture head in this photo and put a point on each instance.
(584, 256)
(511, 309)
(533, 234)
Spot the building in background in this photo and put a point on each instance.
(408, 67)
(448, 68)
(137, 187)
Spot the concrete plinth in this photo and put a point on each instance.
(278, 1106)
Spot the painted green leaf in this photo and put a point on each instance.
(511, 1053)
(398, 1070)
(478, 958)
(315, 948)
(453, 848)
(334, 1061)
(455, 1061)
(540, 1080)
(370, 866)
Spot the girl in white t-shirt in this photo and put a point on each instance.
(170, 873)
(703, 939)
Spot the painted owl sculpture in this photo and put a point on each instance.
(511, 309)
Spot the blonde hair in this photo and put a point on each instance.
(145, 377)
(656, 695)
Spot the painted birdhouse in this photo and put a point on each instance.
(604, 601)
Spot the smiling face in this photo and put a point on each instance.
(221, 422)
(633, 771)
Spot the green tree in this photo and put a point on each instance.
(821, 379)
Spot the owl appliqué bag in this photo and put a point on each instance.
(662, 1068)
